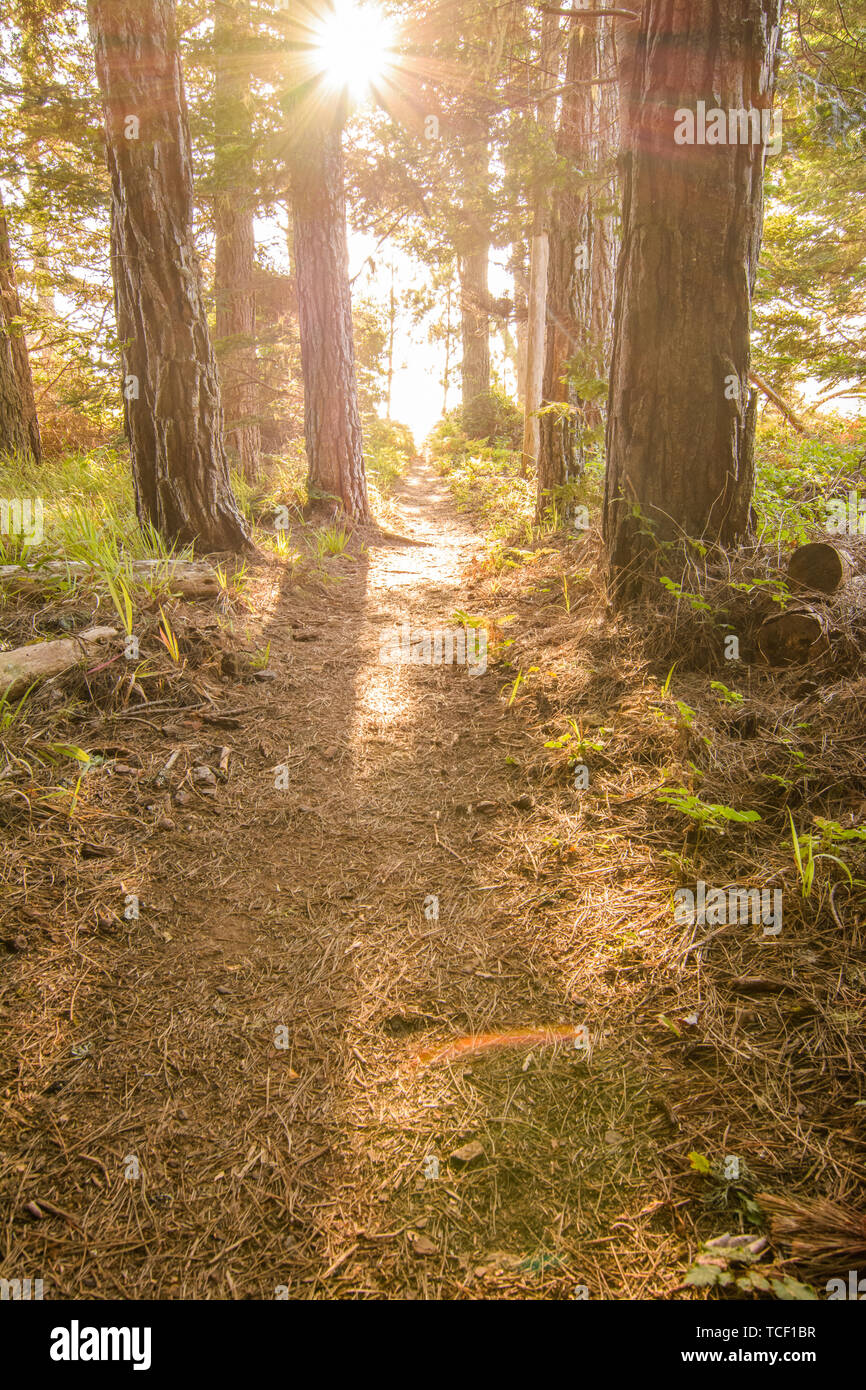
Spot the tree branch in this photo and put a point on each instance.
(580, 15)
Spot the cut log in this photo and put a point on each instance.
(792, 637)
(820, 566)
(27, 666)
(187, 579)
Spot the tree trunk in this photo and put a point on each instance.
(14, 438)
(474, 296)
(583, 245)
(18, 391)
(535, 344)
(235, 262)
(234, 295)
(171, 386)
(680, 433)
(568, 278)
(332, 421)
(539, 256)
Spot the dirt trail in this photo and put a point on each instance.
(251, 1115)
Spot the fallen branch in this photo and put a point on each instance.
(188, 579)
(26, 666)
(790, 415)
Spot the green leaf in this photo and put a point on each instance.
(791, 1290)
(703, 1276)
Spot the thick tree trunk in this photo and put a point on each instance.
(680, 434)
(332, 421)
(235, 260)
(171, 386)
(583, 245)
(20, 401)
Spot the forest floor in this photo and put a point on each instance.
(288, 1076)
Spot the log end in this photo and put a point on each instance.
(819, 566)
(790, 638)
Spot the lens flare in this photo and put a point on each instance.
(355, 47)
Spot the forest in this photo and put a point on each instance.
(433, 657)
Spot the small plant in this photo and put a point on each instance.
(729, 697)
(698, 603)
(10, 713)
(710, 814)
(520, 680)
(331, 540)
(121, 598)
(577, 743)
(260, 661)
(168, 639)
(806, 859)
(731, 1260)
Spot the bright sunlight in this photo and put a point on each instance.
(355, 46)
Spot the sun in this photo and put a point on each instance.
(355, 47)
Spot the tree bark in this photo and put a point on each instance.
(171, 387)
(332, 421)
(19, 423)
(235, 259)
(680, 432)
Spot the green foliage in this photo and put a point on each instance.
(486, 480)
(389, 449)
(490, 419)
(797, 477)
(811, 290)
